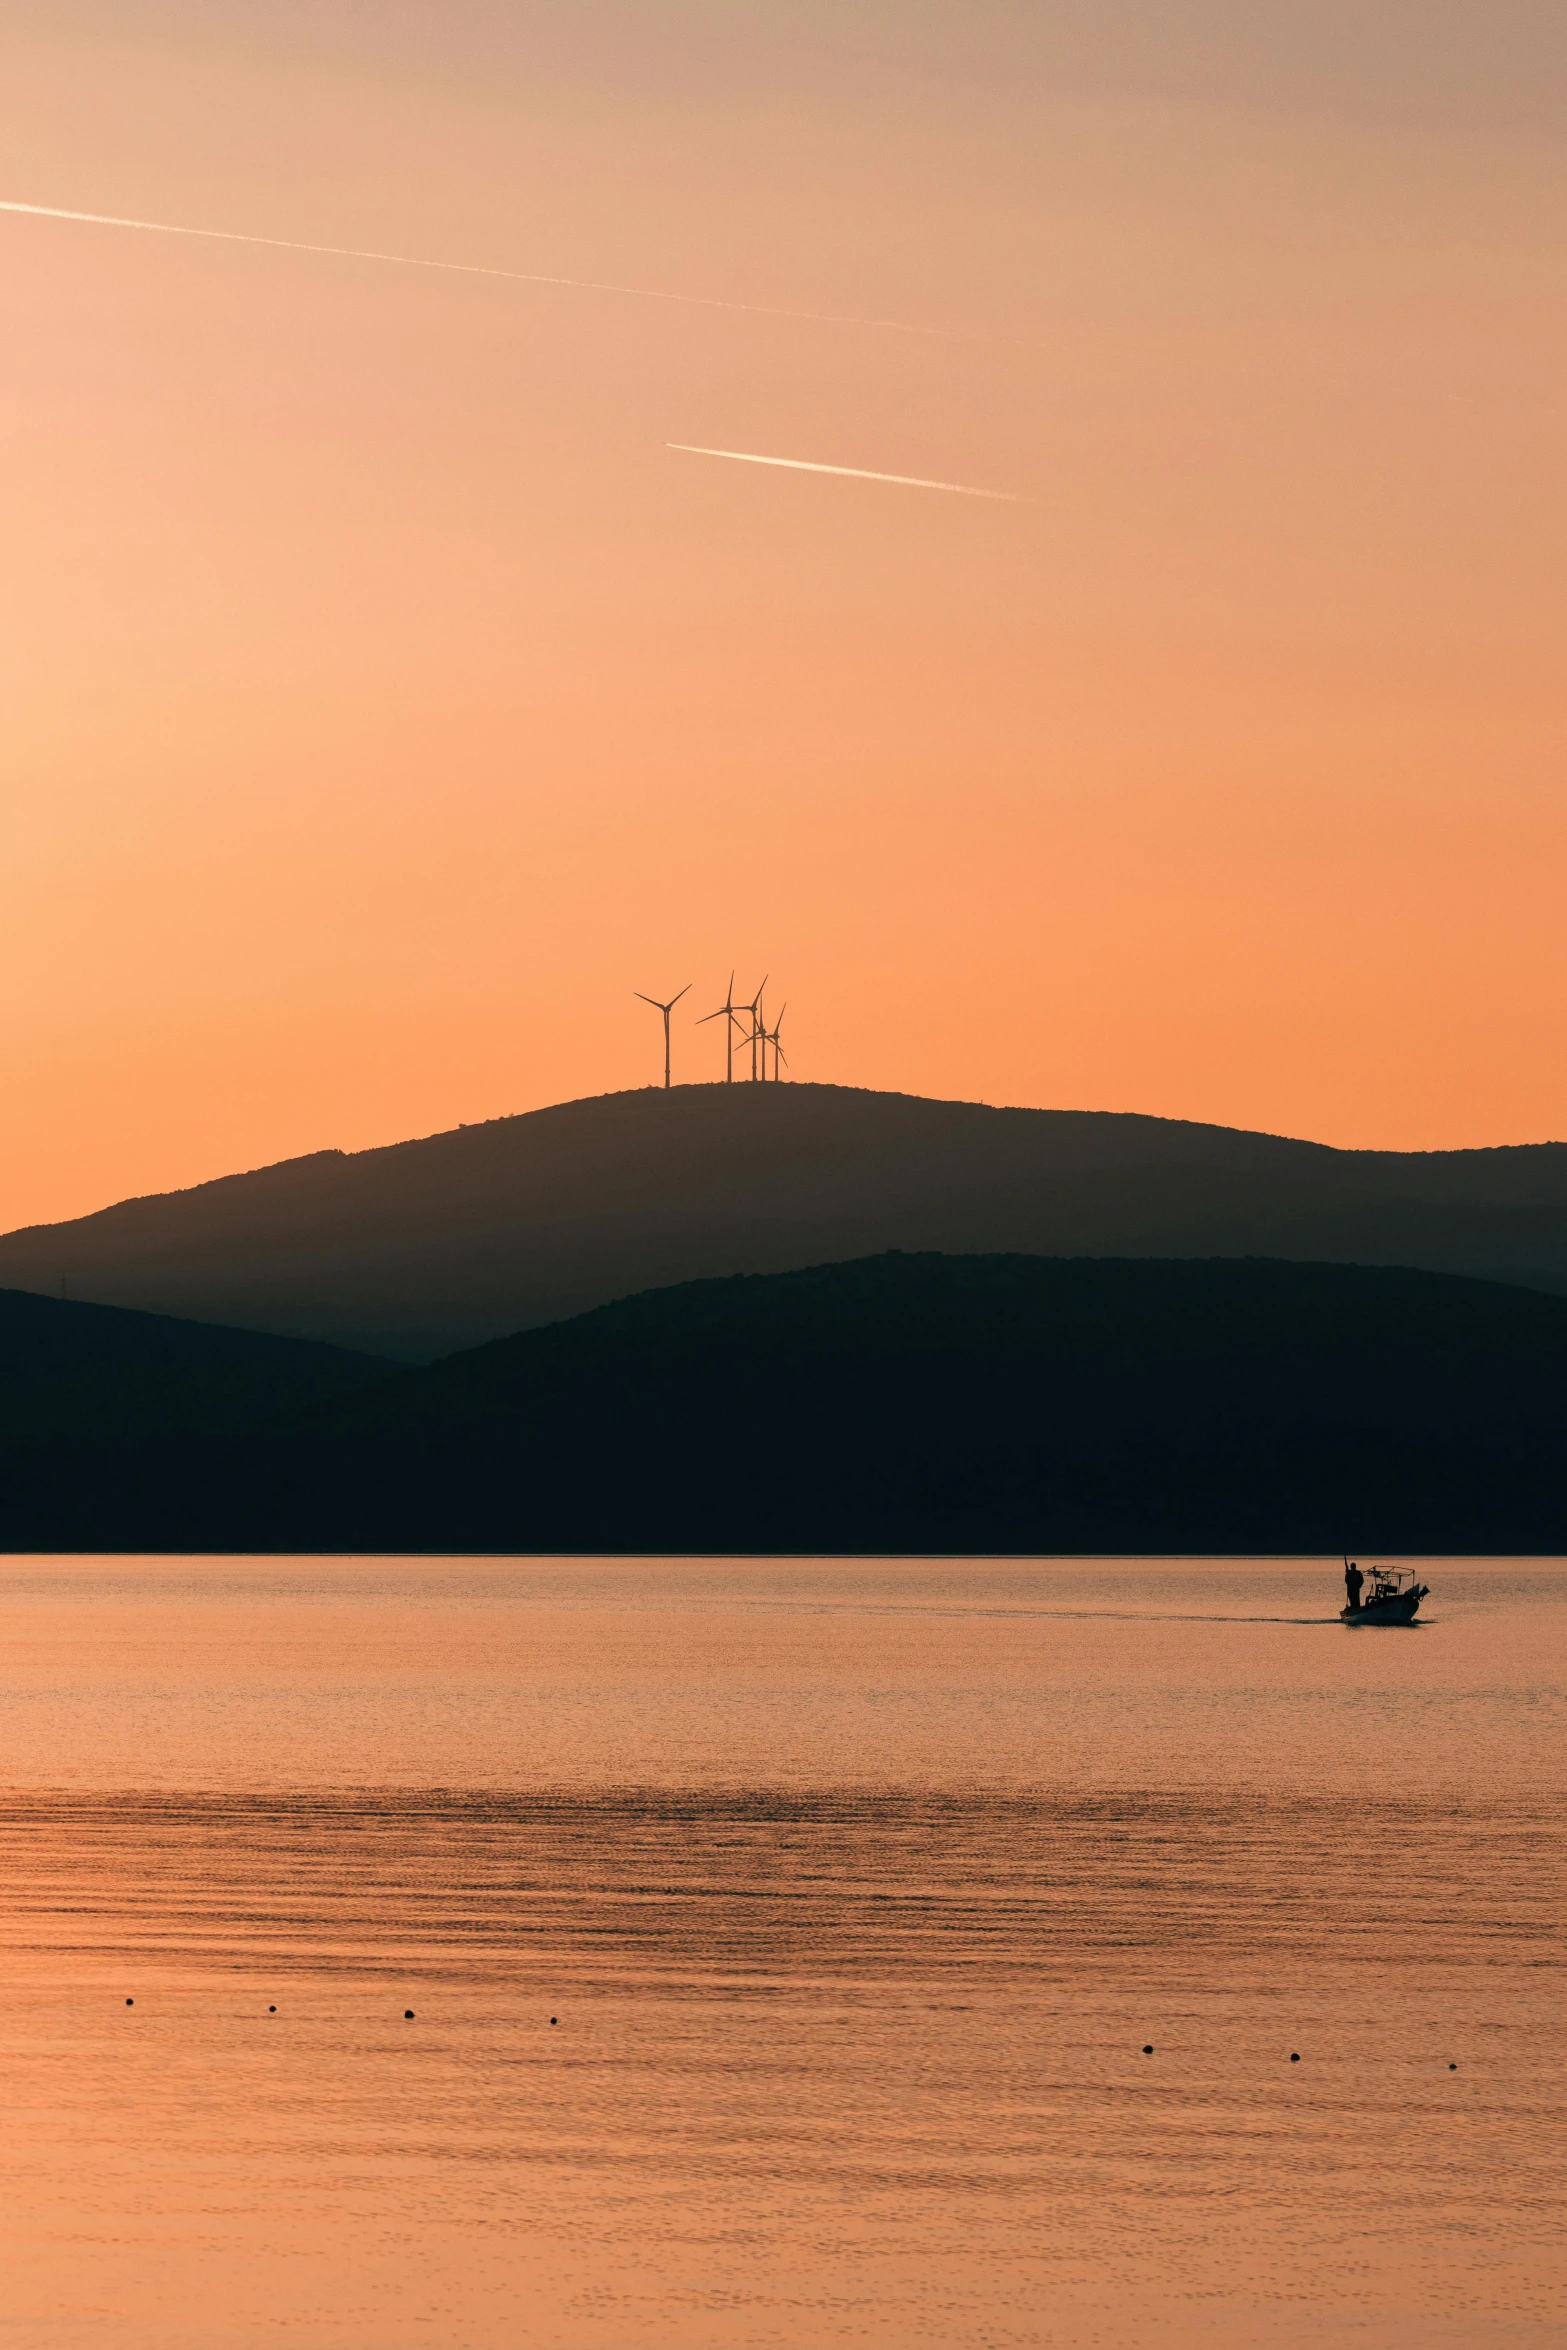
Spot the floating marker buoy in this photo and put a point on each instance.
(1148, 2050)
(1452, 2068)
(408, 2015)
(1294, 2059)
(130, 2003)
(272, 2011)
(552, 2019)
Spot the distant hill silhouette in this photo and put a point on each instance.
(87, 1370)
(903, 1404)
(427, 1246)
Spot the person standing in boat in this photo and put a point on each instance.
(1353, 1578)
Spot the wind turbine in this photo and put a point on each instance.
(729, 1012)
(758, 1030)
(666, 1009)
(770, 1037)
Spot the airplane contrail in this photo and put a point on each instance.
(908, 481)
(521, 277)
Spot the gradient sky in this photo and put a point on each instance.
(382, 702)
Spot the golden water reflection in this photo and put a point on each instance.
(857, 2059)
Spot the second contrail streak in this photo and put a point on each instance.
(908, 481)
(520, 277)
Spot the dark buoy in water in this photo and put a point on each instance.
(1148, 2049)
(1452, 2068)
(1294, 2059)
(272, 2011)
(552, 2019)
(408, 2015)
(130, 2003)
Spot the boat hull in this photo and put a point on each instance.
(1399, 1609)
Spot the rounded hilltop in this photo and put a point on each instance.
(416, 1248)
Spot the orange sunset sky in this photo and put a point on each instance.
(383, 701)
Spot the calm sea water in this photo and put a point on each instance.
(783, 1940)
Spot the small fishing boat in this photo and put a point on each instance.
(1391, 1596)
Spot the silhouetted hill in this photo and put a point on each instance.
(427, 1246)
(85, 1370)
(906, 1404)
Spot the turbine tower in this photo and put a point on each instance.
(666, 1009)
(770, 1037)
(729, 1012)
(758, 1030)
